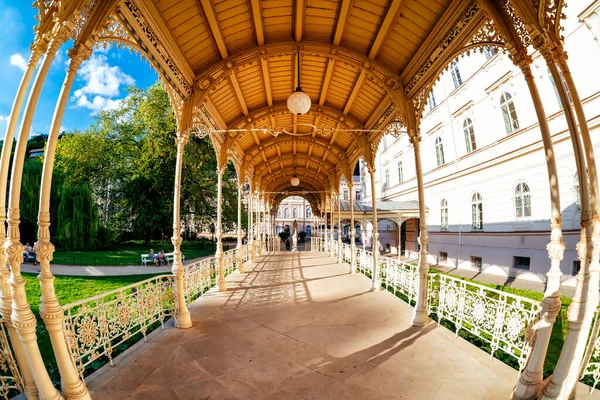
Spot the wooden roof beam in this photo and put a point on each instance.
(238, 92)
(341, 21)
(299, 20)
(264, 67)
(258, 25)
(390, 17)
(213, 23)
(357, 86)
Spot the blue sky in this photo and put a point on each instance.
(100, 83)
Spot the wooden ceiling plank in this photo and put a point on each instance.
(355, 90)
(238, 92)
(390, 17)
(299, 20)
(258, 24)
(341, 22)
(264, 66)
(255, 136)
(326, 80)
(213, 23)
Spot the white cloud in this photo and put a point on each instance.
(102, 84)
(4, 118)
(18, 61)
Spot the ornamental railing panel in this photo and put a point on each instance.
(591, 360)
(230, 260)
(399, 277)
(364, 262)
(347, 253)
(97, 326)
(10, 380)
(198, 278)
(496, 317)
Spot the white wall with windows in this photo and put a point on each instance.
(488, 197)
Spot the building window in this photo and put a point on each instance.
(455, 74)
(477, 211)
(400, 172)
(576, 266)
(444, 214)
(443, 257)
(295, 212)
(357, 197)
(278, 213)
(346, 194)
(387, 179)
(308, 230)
(431, 100)
(489, 52)
(384, 143)
(286, 213)
(511, 123)
(564, 83)
(522, 200)
(521, 262)
(308, 213)
(469, 135)
(439, 151)
(476, 262)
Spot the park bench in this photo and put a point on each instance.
(169, 256)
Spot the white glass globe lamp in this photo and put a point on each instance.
(295, 181)
(298, 102)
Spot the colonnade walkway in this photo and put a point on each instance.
(300, 326)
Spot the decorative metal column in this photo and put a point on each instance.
(325, 229)
(250, 232)
(420, 312)
(259, 225)
(339, 241)
(182, 314)
(219, 230)
(30, 388)
(352, 230)
(375, 282)
(50, 309)
(331, 216)
(22, 317)
(240, 261)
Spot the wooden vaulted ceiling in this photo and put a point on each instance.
(239, 58)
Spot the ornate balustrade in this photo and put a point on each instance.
(496, 317)
(246, 252)
(199, 277)
(364, 261)
(10, 379)
(346, 253)
(591, 360)
(96, 326)
(316, 243)
(230, 261)
(399, 277)
(274, 243)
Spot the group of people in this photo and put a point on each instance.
(29, 252)
(159, 258)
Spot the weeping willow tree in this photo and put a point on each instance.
(78, 218)
(30, 188)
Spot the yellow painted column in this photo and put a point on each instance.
(50, 309)
(30, 387)
(22, 317)
(339, 240)
(375, 281)
(420, 311)
(239, 231)
(182, 314)
(251, 226)
(219, 230)
(352, 230)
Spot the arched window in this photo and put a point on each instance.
(444, 214)
(511, 123)
(308, 230)
(295, 212)
(286, 213)
(522, 200)
(384, 140)
(308, 212)
(431, 100)
(400, 172)
(455, 74)
(278, 212)
(346, 194)
(564, 83)
(439, 151)
(469, 135)
(387, 178)
(489, 52)
(477, 211)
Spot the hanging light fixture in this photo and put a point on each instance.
(295, 181)
(298, 102)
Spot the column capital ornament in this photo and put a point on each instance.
(78, 55)
(183, 137)
(371, 169)
(414, 138)
(423, 241)
(44, 253)
(14, 253)
(176, 239)
(221, 170)
(556, 250)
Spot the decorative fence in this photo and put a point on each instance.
(496, 317)
(399, 278)
(364, 261)
(96, 326)
(199, 277)
(10, 379)
(591, 360)
(346, 253)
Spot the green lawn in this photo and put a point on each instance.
(68, 290)
(129, 254)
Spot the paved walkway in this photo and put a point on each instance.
(297, 326)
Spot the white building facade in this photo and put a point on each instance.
(488, 197)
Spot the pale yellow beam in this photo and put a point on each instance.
(355, 90)
(264, 66)
(299, 20)
(215, 114)
(238, 92)
(258, 25)
(326, 81)
(341, 22)
(211, 17)
(390, 16)
(255, 136)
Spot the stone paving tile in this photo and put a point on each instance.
(299, 326)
